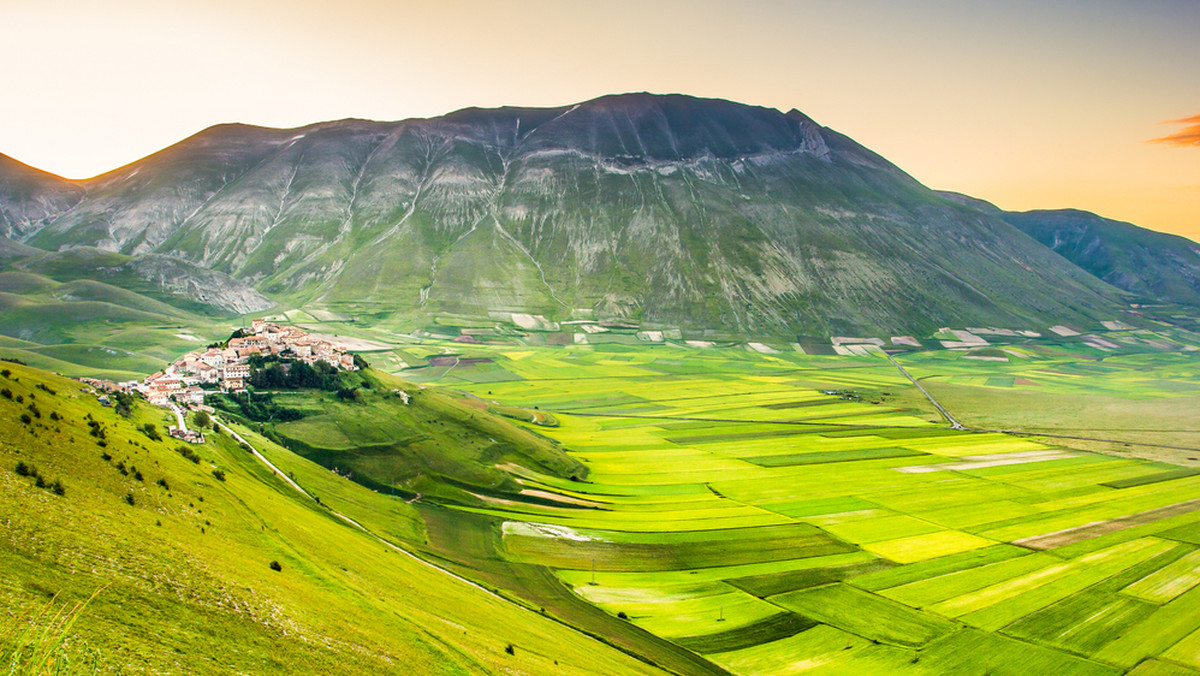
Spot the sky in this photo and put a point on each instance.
(1089, 104)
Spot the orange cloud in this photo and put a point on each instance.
(1188, 136)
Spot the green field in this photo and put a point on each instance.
(715, 510)
(734, 509)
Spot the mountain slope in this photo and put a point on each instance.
(170, 280)
(670, 210)
(1153, 265)
(30, 198)
(181, 554)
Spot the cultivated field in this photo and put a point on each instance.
(783, 513)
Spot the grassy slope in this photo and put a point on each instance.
(91, 328)
(184, 572)
(439, 445)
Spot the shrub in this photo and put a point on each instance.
(55, 416)
(219, 474)
(25, 470)
(124, 405)
(6, 393)
(151, 431)
(6, 373)
(510, 649)
(137, 474)
(39, 481)
(34, 410)
(189, 454)
(622, 615)
(26, 419)
(58, 487)
(129, 499)
(163, 482)
(276, 566)
(106, 457)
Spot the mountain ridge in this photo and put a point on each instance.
(1151, 264)
(664, 209)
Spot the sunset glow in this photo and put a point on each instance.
(1029, 105)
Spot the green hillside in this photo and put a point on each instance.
(393, 436)
(1153, 265)
(178, 555)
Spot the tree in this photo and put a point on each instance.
(124, 405)
(203, 420)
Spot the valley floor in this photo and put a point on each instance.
(743, 511)
(795, 514)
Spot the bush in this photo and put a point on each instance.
(34, 410)
(219, 474)
(6, 393)
(6, 373)
(163, 482)
(189, 454)
(58, 487)
(510, 649)
(129, 499)
(151, 431)
(25, 470)
(124, 405)
(44, 388)
(26, 419)
(259, 407)
(137, 474)
(55, 416)
(276, 566)
(622, 615)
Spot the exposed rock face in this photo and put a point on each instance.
(177, 282)
(666, 209)
(206, 287)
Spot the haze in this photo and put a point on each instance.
(1028, 104)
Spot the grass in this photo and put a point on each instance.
(190, 588)
(41, 643)
(705, 444)
(714, 509)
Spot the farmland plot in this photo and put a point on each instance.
(780, 514)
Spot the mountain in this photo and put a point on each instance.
(1153, 265)
(30, 199)
(667, 210)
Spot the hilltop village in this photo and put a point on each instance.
(229, 367)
